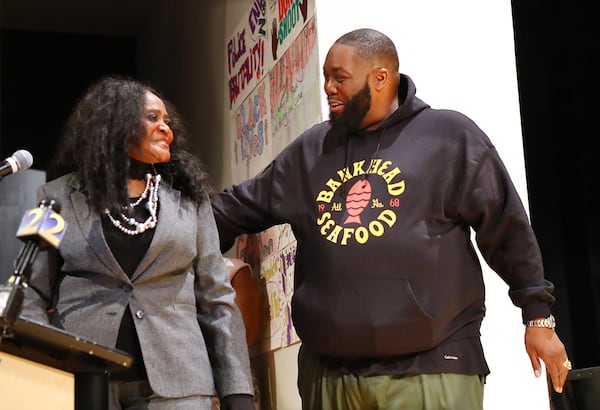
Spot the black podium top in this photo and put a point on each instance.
(59, 349)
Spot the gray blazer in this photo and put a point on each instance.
(190, 330)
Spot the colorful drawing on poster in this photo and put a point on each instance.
(278, 276)
(246, 64)
(272, 254)
(251, 148)
(288, 17)
(295, 89)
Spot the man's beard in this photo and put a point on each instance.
(354, 112)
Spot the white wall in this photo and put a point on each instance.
(461, 56)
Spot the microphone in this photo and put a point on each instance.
(43, 226)
(19, 161)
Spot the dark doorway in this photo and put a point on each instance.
(42, 75)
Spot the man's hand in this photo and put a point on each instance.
(543, 343)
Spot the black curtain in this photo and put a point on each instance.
(557, 48)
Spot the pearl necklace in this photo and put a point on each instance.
(150, 192)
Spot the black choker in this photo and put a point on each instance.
(139, 169)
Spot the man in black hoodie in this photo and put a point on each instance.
(388, 293)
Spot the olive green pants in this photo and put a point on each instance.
(324, 389)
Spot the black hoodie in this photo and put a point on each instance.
(385, 266)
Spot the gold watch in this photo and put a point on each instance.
(548, 322)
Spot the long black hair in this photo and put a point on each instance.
(99, 133)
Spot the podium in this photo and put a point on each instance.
(46, 347)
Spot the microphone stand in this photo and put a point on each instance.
(12, 293)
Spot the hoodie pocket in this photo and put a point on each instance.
(362, 318)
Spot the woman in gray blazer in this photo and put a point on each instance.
(139, 267)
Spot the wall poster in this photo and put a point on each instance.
(274, 95)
